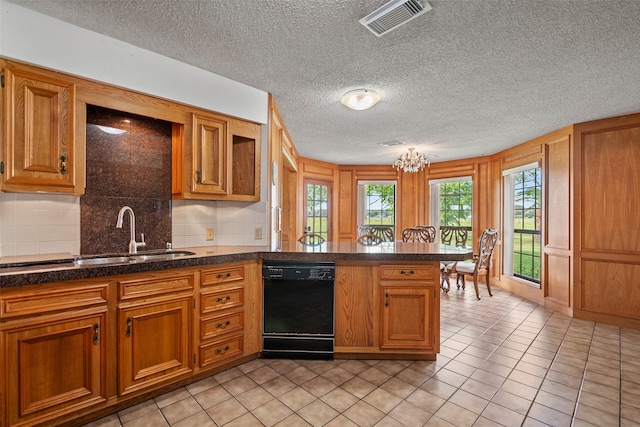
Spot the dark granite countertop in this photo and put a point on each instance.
(25, 270)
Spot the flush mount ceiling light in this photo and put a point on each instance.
(411, 161)
(360, 99)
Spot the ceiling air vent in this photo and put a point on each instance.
(394, 14)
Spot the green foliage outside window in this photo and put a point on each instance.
(456, 204)
(380, 204)
(527, 214)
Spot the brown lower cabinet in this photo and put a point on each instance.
(387, 311)
(77, 350)
(74, 349)
(54, 346)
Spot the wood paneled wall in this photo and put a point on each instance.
(557, 256)
(590, 264)
(607, 220)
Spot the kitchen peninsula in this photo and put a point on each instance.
(81, 341)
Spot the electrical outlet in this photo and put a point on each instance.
(209, 233)
(257, 233)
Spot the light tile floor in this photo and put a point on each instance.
(504, 361)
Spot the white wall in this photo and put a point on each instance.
(37, 223)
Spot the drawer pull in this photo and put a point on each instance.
(222, 350)
(128, 326)
(222, 299)
(223, 275)
(223, 325)
(96, 334)
(407, 272)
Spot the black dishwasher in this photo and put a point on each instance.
(298, 309)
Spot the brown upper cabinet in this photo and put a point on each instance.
(215, 157)
(39, 148)
(222, 159)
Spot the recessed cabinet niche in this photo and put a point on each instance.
(222, 160)
(39, 140)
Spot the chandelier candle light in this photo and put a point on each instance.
(411, 161)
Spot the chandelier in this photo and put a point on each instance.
(411, 161)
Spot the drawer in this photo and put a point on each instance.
(220, 325)
(163, 283)
(225, 274)
(221, 350)
(50, 299)
(409, 272)
(221, 299)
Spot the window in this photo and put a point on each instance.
(523, 210)
(451, 204)
(377, 203)
(317, 208)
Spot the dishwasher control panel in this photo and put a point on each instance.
(297, 270)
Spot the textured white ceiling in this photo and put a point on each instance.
(468, 78)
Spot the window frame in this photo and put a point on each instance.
(434, 203)
(509, 205)
(362, 196)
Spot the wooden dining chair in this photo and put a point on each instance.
(311, 239)
(449, 235)
(481, 263)
(369, 240)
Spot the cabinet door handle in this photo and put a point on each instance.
(96, 334)
(386, 299)
(221, 299)
(198, 177)
(63, 164)
(223, 325)
(128, 326)
(406, 271)
(222, 350)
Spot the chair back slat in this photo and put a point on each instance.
(311, 239)
(419, 233)
(453, 234)
(369, 240)
(383, 231)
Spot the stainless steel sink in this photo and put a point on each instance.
(102, 260)
(161, 256)
(127, 259)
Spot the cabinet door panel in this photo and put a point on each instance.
(55, 368)
(154, 343)
(406, 317)
(39, 139)
(210, 155)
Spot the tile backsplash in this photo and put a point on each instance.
(128, 164)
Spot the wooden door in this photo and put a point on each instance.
(317, 207)
(155, 343)
(210, 154)
(39, 142)
(406, 316)
(55, 368)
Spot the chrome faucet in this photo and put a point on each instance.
(133, 245)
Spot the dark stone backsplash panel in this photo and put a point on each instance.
(130, 169)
